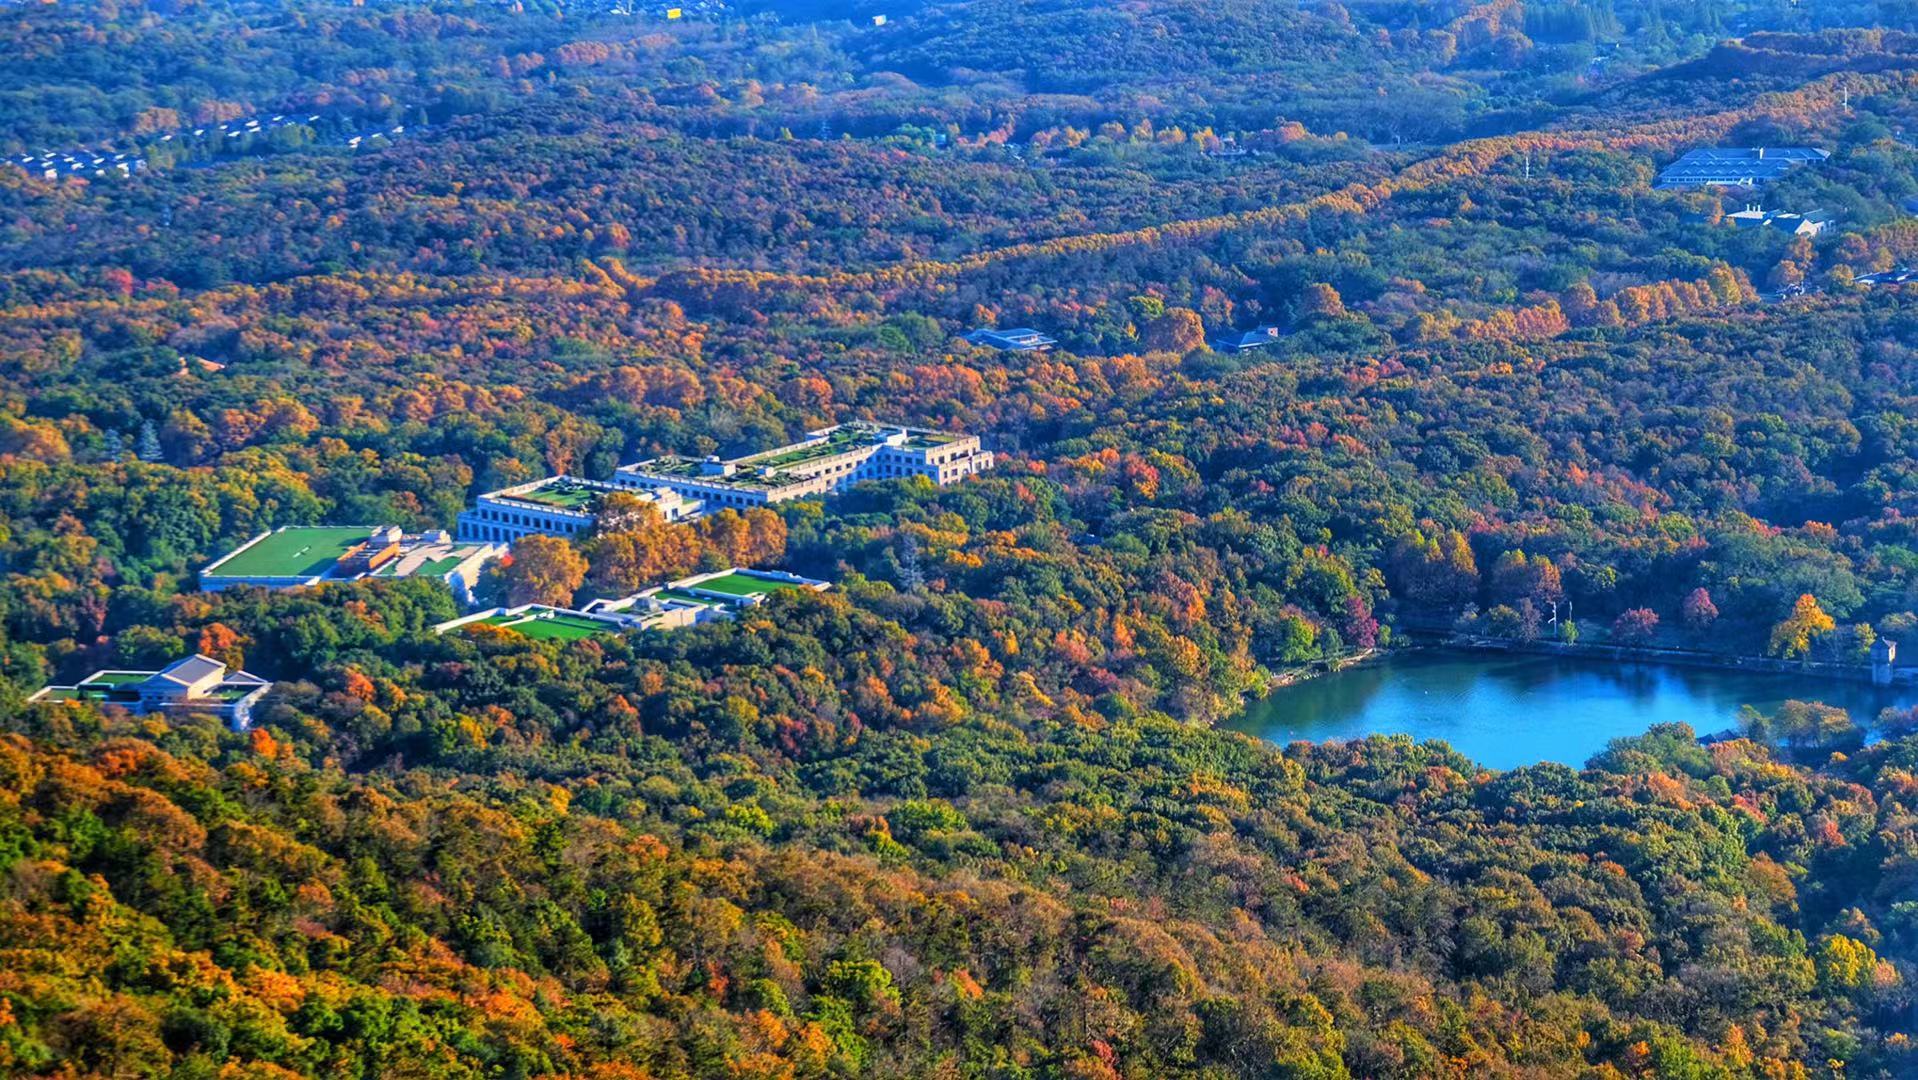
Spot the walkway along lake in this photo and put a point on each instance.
(1506, 710)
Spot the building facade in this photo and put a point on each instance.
(559, 506)
(825, 461)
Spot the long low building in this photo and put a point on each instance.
(1018, 339)
(301, 555)
(1737, 166)
(559, 506)
(823, 462)
(197, 683)
(700, 598)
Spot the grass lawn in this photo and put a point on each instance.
(561, 496)
(837, 443)
(546, 626)
(742, 585)
(293, 552)
(116, 678)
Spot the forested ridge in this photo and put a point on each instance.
(971, 813)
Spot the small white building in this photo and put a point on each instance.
(196, 683)
(1019, 339)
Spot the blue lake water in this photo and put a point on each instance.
(1506, 710)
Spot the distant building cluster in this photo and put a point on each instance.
(196, 683)
(682, 488)
(1753, 217)
(52, 165)
(301, 555)
(701, 598)
(823, 462)
(365, 138)
(1720, 166)
(229, 137)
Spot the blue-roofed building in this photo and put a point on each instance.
(1246, 340)
(1731, 166)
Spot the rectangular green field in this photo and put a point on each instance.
(300, 551)
(542, 627)
(561, 496)
(116, 678)
(742, 585)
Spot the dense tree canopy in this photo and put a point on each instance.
(968, 814)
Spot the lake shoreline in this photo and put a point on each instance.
(1508, 704)
(1694, 658)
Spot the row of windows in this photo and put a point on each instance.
(486, 533)
(531, 521)
(731, 498)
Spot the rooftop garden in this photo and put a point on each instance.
(839, 441)
(299, 551)
(116, 678)
(562, 493)
(549, 625)
(738, 584)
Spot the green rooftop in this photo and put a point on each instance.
(684, 597)
(549, 625)
(841, 440)
(561, 494)
(293, 552)
(737, 584)
(117, 678)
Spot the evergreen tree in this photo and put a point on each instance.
(149, 445)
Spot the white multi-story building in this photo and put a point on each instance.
(557, 506)
(825, 461)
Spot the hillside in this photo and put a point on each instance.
(971, 812)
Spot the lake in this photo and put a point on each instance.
(1507, 710)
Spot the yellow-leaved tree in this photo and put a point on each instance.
(1793, 637)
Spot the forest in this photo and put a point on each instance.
(973, 812)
